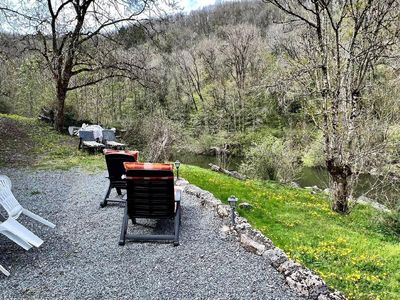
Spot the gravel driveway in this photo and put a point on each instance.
(81, 259)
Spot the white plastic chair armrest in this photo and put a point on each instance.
(37, 218)
(178, 193)
(22, 232)
(4, 271)
(19, 241)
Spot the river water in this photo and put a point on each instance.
(308, 176)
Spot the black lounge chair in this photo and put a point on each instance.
(115, 164)
(151, 195)
(87, 140)
(110, 140)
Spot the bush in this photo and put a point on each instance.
(5, 107)
(274, 159)
(392, 221)
(314, 153)
(154, 136)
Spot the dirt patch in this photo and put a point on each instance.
(17, 146)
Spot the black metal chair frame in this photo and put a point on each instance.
(115, 166)
(151, 195)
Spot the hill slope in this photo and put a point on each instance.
(27, 142)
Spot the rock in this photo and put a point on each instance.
(294, 185)
(193, 190)
(245, 205)
(368, 201)
(244, 226)
(276, 256)
(251, 245)
(306, 283)
(260, 238)
(181, 182)
(226, 231)
(237, 175)
(240, 220)
(288, 267)
(327, 191)
(299, 287)
(222, 211)
(214, 168)
(234, 174)
(209, 200)
(331, 296)
(316, 189)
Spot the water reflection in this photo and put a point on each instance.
(307, 177)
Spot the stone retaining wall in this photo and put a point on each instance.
(300, 279)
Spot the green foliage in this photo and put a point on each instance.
(314, 153)
(273, 159)
(5, 107)
(351, 253)
(392, 220)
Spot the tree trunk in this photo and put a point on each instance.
(341, 185)
(59, 115)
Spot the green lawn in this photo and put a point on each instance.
(351, 253)
(33, 143)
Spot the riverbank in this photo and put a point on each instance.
(368, 186)
(352, 253)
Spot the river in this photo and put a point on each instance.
(308, 176)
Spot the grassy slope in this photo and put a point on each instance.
(30, 142)
(352, 253)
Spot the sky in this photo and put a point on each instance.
(189, 5)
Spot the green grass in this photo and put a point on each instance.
(352, 253)
(47, 149)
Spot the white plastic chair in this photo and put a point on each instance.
(4, 271)
(14, 209)
(5, 182)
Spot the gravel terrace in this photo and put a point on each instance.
(81, 258)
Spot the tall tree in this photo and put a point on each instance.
(74, 37)
(344, 42)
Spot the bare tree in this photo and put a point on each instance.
(190, 68)
(241, 45)
(74, 37)
(343, 42)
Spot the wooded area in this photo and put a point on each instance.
(282, 83)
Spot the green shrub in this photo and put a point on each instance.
(314, 153)
(5, 107)
(392, 221)
(154, 136)
(274, 159)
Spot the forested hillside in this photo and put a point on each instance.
(298, 100)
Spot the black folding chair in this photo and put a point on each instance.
(151, 195)
(115, 164)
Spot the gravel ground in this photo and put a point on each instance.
(81, 257)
